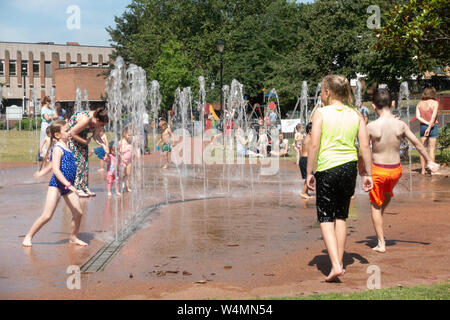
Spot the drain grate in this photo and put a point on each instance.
(99, 261)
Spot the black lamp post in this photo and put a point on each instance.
(220, 48)
(24, 69)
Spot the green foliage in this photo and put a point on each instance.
(420, 27)
(443, 140)
(174, 69)
(29, 124)
(268, 44)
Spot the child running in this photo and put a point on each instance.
(167, 140)
(334, 130)
(112, 175)
(64, 171)
(303, 162)
(126, 154)
(386, 135)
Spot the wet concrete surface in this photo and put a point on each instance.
(242, 239)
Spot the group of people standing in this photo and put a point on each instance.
(333, 160)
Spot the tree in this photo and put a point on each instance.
(422, 28)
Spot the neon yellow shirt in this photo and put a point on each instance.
(340, 126)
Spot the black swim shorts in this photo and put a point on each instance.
(334, 189)
(302, 164)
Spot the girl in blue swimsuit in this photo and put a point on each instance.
(64, 171)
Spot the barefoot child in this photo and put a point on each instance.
(112, 175)
(167, 140)
(126, 154)
(101, 151)
(386, 135)
(64, 171)
(306, 141)
(298, 137)
(332, 150)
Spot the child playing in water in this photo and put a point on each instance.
(386, 135)
(263, 142)
(333, 157)
(298, 137)
(101, 151)
(64, 170)
(126, 154)
(167, 140)
(112, 175)
(305, 142)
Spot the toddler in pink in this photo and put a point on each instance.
(112, 175)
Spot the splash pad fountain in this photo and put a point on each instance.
(200, 173)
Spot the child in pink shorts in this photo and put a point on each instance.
(112, 176)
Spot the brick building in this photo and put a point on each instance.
(46, 65)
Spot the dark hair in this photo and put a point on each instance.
(381, 98)
(46, 100)
(101, 114)
(429, 93)
(308, 127)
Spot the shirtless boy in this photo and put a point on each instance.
(304, 159)
(167, 140)
(386, 134)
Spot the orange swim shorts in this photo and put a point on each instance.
(384, 177)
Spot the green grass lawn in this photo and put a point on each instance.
(437, 291)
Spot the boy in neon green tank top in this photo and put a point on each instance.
(333, 158)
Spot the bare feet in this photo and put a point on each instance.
(165, 167)
(118, 194)
(380, 248)
(305, 196)
(100, 170)
(27, 242)
(77, 241)
(109, 194)
(334, 274)
(129, 190)
(82, 193)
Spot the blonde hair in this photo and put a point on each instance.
(339, 87)
(55, 128)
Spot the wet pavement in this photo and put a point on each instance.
(245, 237)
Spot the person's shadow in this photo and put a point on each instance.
(323, 263)
(372, 241)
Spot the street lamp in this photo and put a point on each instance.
(24, 69)
(220, 48)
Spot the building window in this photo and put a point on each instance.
(62, 65)
(36, 68)
(105, 65)
(95, 64)
(24, 68)
(12, 68)
(48, 69)
(2, 67)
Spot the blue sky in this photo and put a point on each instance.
(46, 20)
